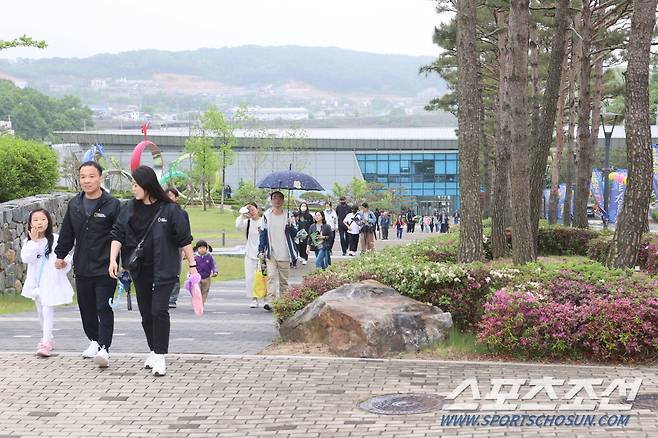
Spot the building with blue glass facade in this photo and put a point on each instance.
(429, 179)
(420, 163)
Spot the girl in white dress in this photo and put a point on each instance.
(47, 286)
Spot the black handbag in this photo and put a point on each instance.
(135, 259)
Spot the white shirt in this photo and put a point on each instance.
(353, 227)
(251, 249)
(332, 219)
(278, 244)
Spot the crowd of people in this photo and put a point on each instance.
(149, 237)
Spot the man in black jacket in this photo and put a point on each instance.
(342, 210)
(87, 224)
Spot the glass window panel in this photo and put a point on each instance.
(428, 156)
(451, 156)
(360, 156)
(393, 156)
(394, 167)
(371, 167)
(439, 167)
(405, 156)
(371, 157)
(382, 167)
(451, 185)
(451, 167)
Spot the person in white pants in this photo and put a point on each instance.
(248, 222)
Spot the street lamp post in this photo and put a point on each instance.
(607, 169)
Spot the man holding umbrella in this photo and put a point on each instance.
(277, 247)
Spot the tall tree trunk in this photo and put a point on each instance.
(596, 104)
(626, 242)
(585, 154)
(542, 143)
(470, 236)
(500, 199)
(523, 248)
(559, 140)
(486, 178)
(576, 53)
(533, 62)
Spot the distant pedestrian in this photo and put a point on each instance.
(44, 284)
(332, 220)
(248, 222)
(367, 221)
(320, 237)
(384, 224)
(353, 226)
(304, 221)
(399, 224)
(342, 210)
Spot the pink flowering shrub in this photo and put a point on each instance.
(571, 318)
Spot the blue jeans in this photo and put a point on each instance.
(322, 258)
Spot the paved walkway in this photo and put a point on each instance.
(247, 396)
(217, 387)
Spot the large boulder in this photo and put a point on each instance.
(367, 319)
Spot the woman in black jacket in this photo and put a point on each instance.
(304, 222)
(159, 267)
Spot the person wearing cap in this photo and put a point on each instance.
(342, 210)
(247, 223)
(277, 246)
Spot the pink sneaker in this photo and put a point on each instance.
(43, 349)
(51, 344)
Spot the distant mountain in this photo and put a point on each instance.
(330, 69)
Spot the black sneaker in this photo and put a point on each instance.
(172, 305)
(267, 307)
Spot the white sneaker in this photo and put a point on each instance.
(91, 351)
(158, 364)
(148, 363)
(102, 358)
(304, 262)
(254, 303)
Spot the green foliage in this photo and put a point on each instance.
(35, 115)
(204, 163)
(248, 192)
(23, 41)
(26, 168)
(314, 197)
(377, 196)
(333, 69)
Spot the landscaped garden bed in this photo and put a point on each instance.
(563, 307)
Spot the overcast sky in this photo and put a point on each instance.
(79, 28)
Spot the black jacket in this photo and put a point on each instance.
(90, 234)
(341, 212)
(170, 232)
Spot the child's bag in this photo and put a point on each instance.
(260, 280)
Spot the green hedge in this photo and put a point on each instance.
(26, 168)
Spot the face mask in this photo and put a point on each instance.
(303, 209)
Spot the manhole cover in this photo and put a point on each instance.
(402, 404)
(646, 401)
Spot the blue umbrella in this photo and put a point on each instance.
(290, 180)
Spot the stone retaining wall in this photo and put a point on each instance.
(13, 218)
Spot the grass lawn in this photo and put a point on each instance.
(207, 225)
(10, 303)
